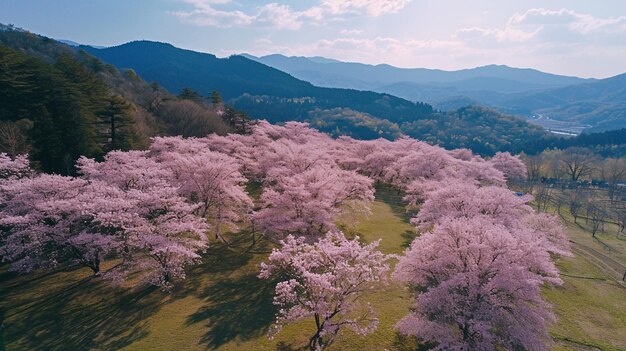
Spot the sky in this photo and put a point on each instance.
(572, 37)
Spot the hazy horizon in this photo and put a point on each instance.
(574, 38)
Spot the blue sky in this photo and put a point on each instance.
(574, 37)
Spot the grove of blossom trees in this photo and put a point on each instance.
(475, 269)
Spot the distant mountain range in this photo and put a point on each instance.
(259, 90)
(265, 92)
(557, 102)
(378, 75)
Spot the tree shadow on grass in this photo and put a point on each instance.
(221, 260)
(408, 236)
(393, 198)
(89, 314)
(283, 346)
(237, 307)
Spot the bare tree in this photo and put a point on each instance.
(577, 163)
(613, 171)
(576, 199)
(543, 197)
(620, 216)
(535, 166)
(13, 140)
(559, 200)
(597, 215)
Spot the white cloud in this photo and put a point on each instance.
(350, 31)
(278, 16)
(371, 7)
(560, 41)
(539, 25)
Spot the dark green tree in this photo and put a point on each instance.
(189, 94)
(116, 124)
(216, 98)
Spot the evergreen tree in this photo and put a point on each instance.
(115, 124)
(216, 98)
(189, 94)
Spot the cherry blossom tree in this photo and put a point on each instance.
(14, 168)
(162, 234)
(162, 239)
(466, 200)
(324, 281)
(462, 154)
(549, 233)
(428, 163)
(307, 203)
(127, 170)
(480, 287)
(52, 219)
(210, 179)
(213, 181)
(512, 166)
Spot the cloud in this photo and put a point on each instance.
(539, 25)
(279, 16)
(372, 7)
(350, 31)
(557, 40)
(204, 14)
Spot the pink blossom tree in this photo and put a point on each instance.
(127, 170)
(324, 281)
(465, 200)
(512, 166)
(549, 233)
(162, 235)
(51, 219)
(14, 168)
(480, 287)
(307, 203)
(462, 154)
(208, 178)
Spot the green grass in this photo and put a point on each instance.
(591, 312)
(223, 306)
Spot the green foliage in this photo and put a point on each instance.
(77, 105)
(190, 94)
(482, 130)
(216, 98)
(343, 121)
(62, 100)
(116, 125)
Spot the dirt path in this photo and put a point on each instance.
(600, 260)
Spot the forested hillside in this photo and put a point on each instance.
(259, 90)
(57, 103)
(264, 92)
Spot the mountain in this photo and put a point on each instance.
(492, 77)
(58, 102)
(75, 44)
(257, 89)
(265, 92)
(55, 96)
(598, 105)
(559, 103)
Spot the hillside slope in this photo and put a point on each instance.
(248, 83)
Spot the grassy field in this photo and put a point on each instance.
(591, 304)
(223, 306)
